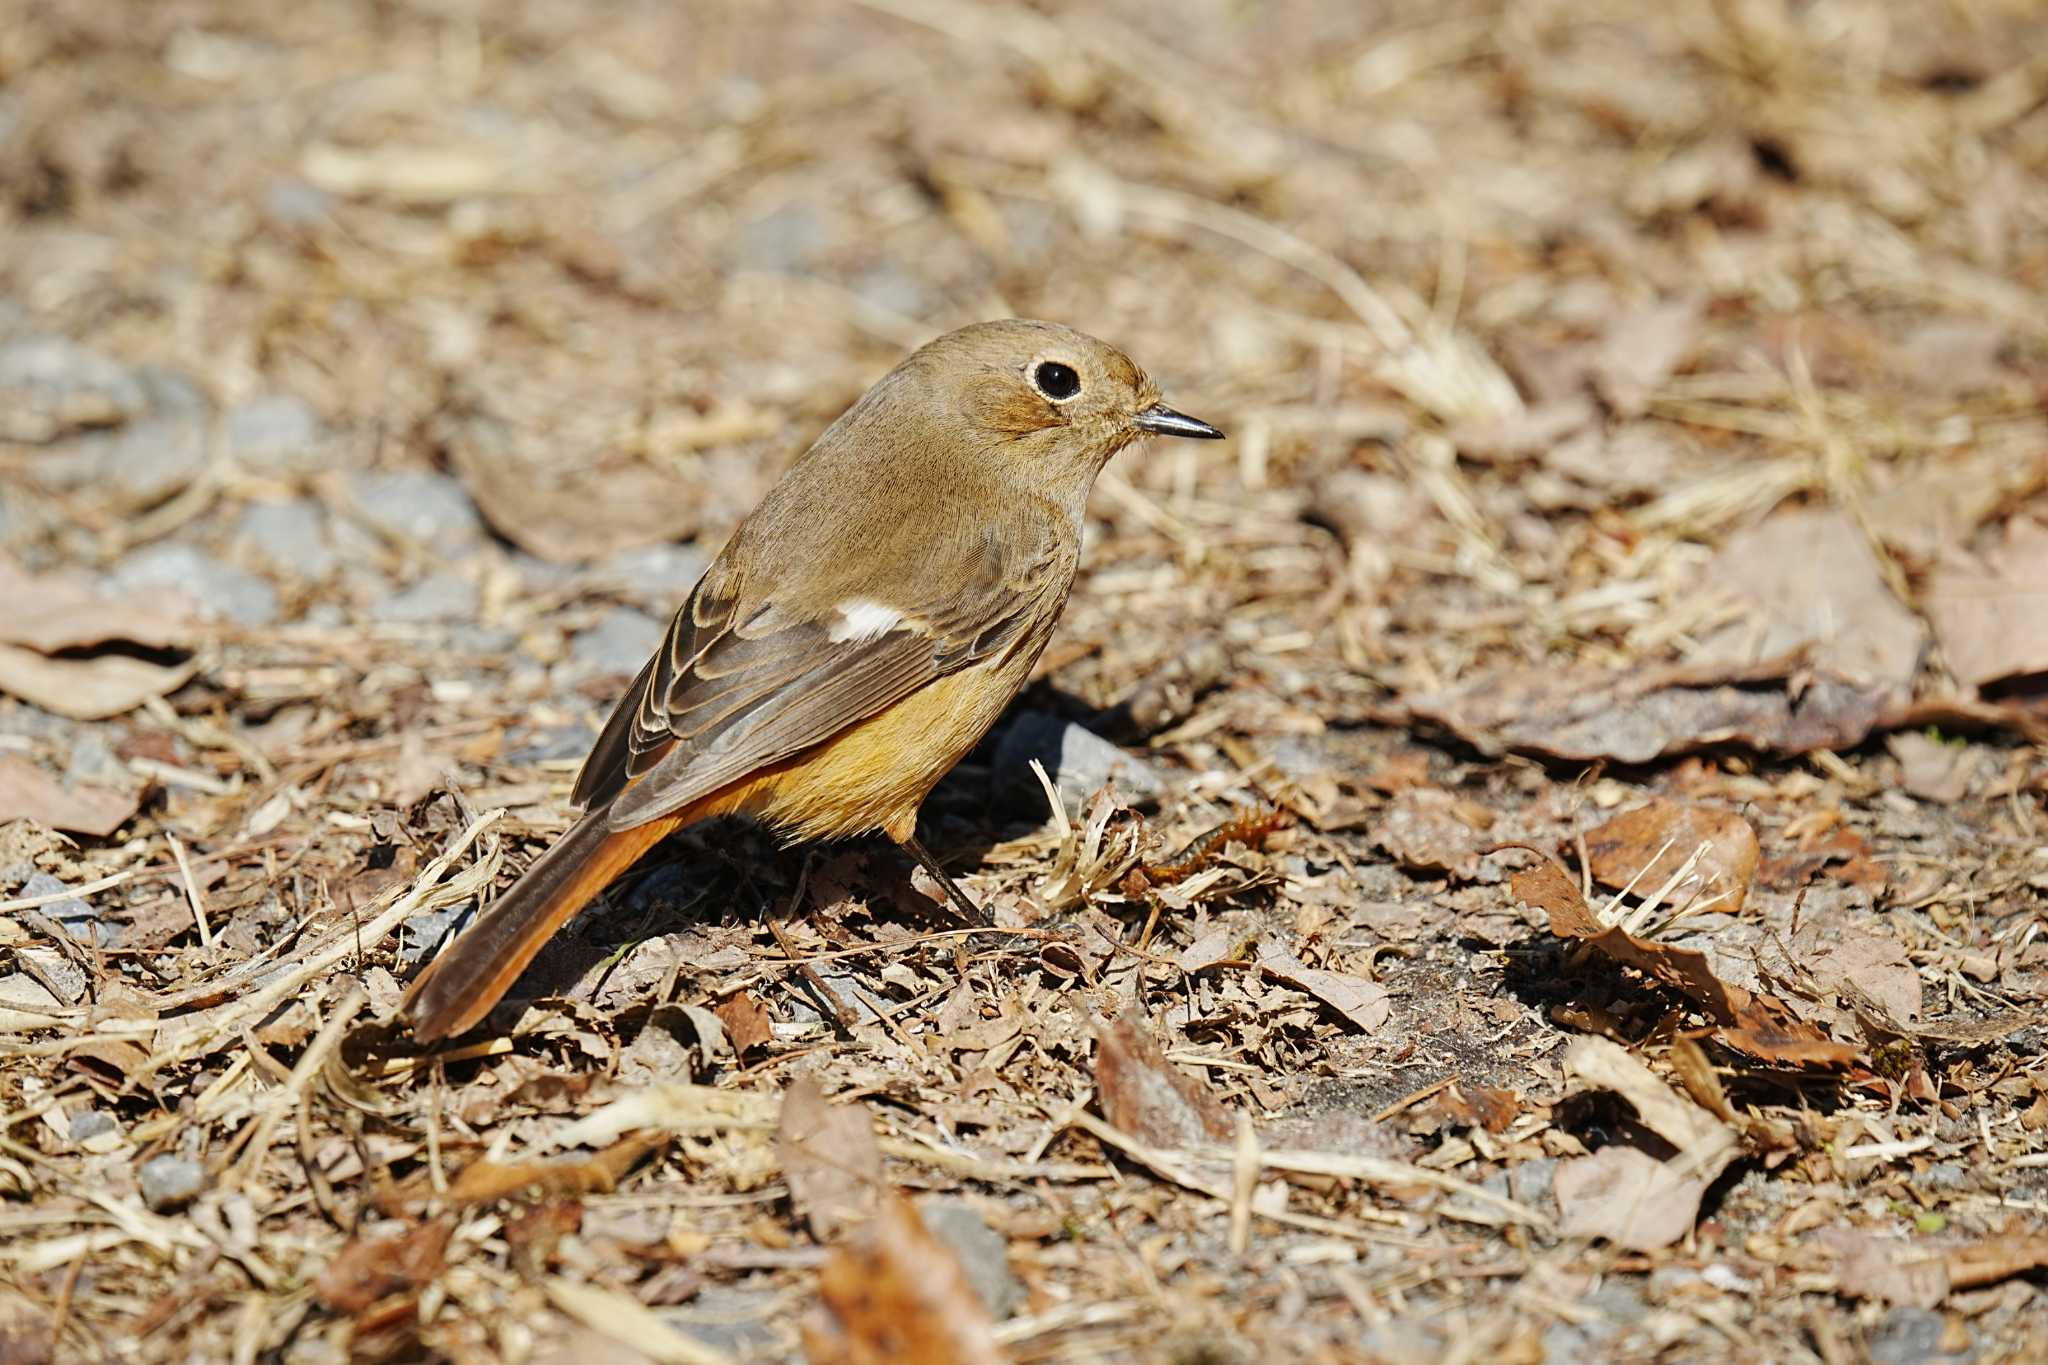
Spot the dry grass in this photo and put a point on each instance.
(1517, 316)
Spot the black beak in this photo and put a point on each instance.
(1161, 420)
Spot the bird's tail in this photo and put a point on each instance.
(460, 986)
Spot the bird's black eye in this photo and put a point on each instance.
(1056, 381)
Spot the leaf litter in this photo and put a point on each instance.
(1656, 480)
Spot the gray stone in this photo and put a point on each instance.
(427, 930)
(219, 589)
(1909, 1336)
(294, 203)
(145, 460)
(542, 746)
(437, 597)
(419, 505)
(619, 643)
(90, 1123)
(741, 1322)
(93, 762)
(288, 535)
(983, 1253)
(169, 1182)
(1078, 760)
(50, 386)
(276, 431)
(785, 241)
(657, 576)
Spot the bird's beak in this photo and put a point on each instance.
(1160, 420)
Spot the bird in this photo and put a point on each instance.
(856, 636)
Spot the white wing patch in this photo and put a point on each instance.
(860, 619)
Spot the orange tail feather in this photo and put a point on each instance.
(460, 986)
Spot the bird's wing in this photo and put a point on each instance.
(745, 679)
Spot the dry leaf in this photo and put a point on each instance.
(29, 793)
(1431, 830)
(829, 1158)
(1150, 1098)
(373, 1268)
(566, 511)
(1992, 615)
(1757, 1024)
(1932, 769)
(1706, 1143)
(1365, 1003)
(89, 688)
(1637, 715)
(896, 1295)
(1875, 966)
(1887, 1268)
(1813, 588)
(747, 1024)
(51, 626)
(1641, 350)
(1995, 1259)
(1646, 847)
(1629, 1197)
(484, 1180)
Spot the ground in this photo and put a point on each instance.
(1540, 849)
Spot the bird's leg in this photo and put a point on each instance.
(962, 906)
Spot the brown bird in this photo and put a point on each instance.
(858, 634)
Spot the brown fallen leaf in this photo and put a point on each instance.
(51, 639)
(1365, 1003)
(29, 793)
(896, 1295)
(1996, 1259)
(829, 1158)
(1934, 770)
(599, 1173)
(1150, 1098)
(1432, 830)
(568, 512)
(1628, 1197)
(747, 1024)
(1812, 587)
(1760, 1025)
(1889, 1269)
(1643, 349)
(1647, 846)
(373, 1268)
(1876, 967)
(1637, 715)
(1991, 615)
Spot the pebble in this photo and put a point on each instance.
(657, 576)
(437, 597)
(555, 743)
(420, 505)
(143, 461)
(983, 1252)
(619, 643)
(52, 386)
(90, 1123)
(169, 1182)
(1077, 759)
(783, 242)
(288, 535)
(80, 920)
(425, 931)
(1908, 1336)
(220, 589)
(275, 431)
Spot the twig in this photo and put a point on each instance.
(192, 893)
